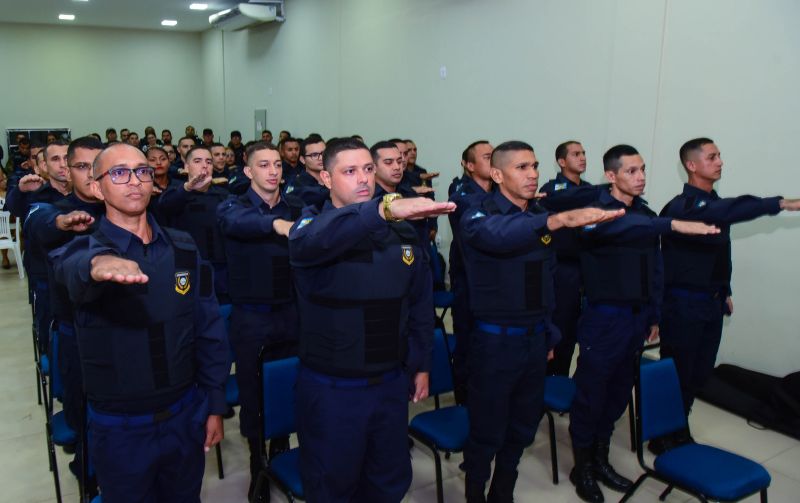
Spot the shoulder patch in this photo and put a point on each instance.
(589, 227)
(560, 186)
(304, 222)
(477, 214)
(33, 209)
(701, 203)
(290, 189)
(408, 254)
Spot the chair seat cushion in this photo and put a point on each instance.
(558, 393)
(231, 391)
(718, 474)
(443, 298)
(286, 468)
(44, 364)
(446, 428)
(62, 434)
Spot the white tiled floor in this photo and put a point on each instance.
(24, 476)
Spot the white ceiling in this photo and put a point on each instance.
(138, 14)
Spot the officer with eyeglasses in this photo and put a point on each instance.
(152, 344)
(48, 227)
(308, 184)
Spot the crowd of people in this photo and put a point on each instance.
(323, 249)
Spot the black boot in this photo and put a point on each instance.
(582, 476)
(502, 488)
(605, 473)
(255, 468)
(474, 492)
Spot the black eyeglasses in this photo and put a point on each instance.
(81, 166)
(314, 155)
(121, 175)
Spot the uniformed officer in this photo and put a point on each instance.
(571, 159)
(152, 344)
(506, 245)
(365, 302)
(308, 184)
(255, 226)
(476, 180)
(697, 271)
(49, 226)
(192, 207)
(623, 280)
(220, 172)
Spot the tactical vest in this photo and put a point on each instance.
(510, 286)
(702, 263)
(258, 268)
(354, 318)
(137, 342)
(199, 218)
(619, 272)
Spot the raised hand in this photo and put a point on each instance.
(74, 221)
(281, 226)
(416, 208)
(693, 228)
(198, 183)
(30, 183)
(117, 270)
(790, 204)
(428, 176)
(422, 190)
(582, 217)
(220, 180)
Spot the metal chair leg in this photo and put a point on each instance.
(764, 495)
(220, 471)
(632, 421)
(438, 464)
(666, 492)
(634, 487)
(553, 447)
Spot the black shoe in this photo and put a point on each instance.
(605, 473)
(254, 446)
(473, 492)
(68, 448)
(582, 477)
(502, 488)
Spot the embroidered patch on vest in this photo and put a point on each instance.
(560, 186)
(182, 283)
(408, 254)
(546, 239)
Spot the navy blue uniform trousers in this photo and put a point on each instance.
(506, 399)
(462, 328)
(691, 330)
(567, 287)
(251, 329)
(609, 337)
(353, 439)
(139, 460)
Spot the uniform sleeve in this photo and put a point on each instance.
(501, 233)
(17, 202)
(211, 345)
(40, 227)
(72, 268)
(654, 317)
(315, 239)
(420, 321)
(629, 226)
(172, 199)
(243, 222)
(730, 210)
(571, 198)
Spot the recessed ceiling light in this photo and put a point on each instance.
(168, 22)
(66, 17)
(198, 6)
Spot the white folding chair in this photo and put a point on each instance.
(8, 243)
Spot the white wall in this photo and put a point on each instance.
(89, 79)
(652, 74)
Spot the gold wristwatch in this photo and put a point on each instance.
(387, 203)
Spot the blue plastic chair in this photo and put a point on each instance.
(277, 414)
(443, 429)
(559, 391)
(706, 472)
(231, 386)
(643, 360)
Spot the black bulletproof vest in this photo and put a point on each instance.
(258, 268)
(354, 316)
(199, 218)
(509, 287)
(702, 263)
(619, 272)
(136, 342)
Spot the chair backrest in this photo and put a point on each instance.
(5, 225)
(279, 378)
(441, 375)
(660, 403)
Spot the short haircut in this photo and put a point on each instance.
(288, 140)
(690, 146)
(561, 150)
(379, 146)
(24, 141)
(149, 129)
(166, 131)
(133, 133)
(409, 141)
(186, 138)
(110, 130)
(397, 140)
(159, 149)
(335, 146)
(59, 142)
(287, 132)
(235, 133)
(257, 146)
(214, 145)
(194, 149)
(468, 155)
(611, 159)
(209, 131)
(84, 142)
(501, 150)
(33, 143)
(266, 131)
(311, 140)
(124, 129)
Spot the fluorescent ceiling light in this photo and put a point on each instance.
(66, 17)
(198, 6)
(168, 22)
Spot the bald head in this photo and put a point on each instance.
(104, 159)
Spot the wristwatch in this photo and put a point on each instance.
(387, 203)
